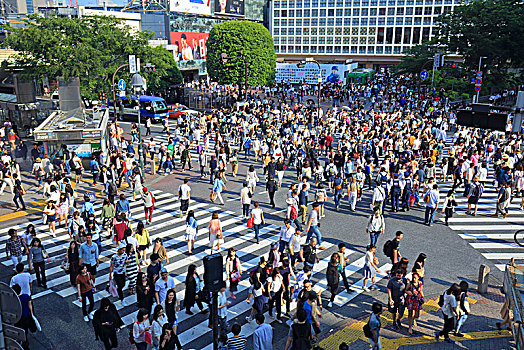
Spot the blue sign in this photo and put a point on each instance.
(320, 73)
(121, 85)
(424, 75)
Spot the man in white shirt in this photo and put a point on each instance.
(162, 285)
(184, 194)
(379, 195)
(23, 279)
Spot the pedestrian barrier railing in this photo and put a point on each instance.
(514, 292)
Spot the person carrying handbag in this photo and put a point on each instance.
(233, 271)
(19, 191)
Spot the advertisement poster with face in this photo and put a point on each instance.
(201, 7)
(229, 7)
(189, 46)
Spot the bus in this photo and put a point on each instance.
(150, 106)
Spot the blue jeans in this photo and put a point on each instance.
(461, 321)
(297, 224)
(316, 231)
(430, 214)
(256, 228)
(67, 167)
(373, 236)
(282, 246)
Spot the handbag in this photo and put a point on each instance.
(148, 338)
(212, 195)
(250, 223)
(220, 235)
(112, 289)
(235, 276)
(65, 265)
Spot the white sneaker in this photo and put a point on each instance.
(248, 319)
(91, 314)
(330, 304)
(366, 289)
(86, 318)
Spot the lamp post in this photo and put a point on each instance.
(137, 83)
(224, 57)
(480, 66)
(312, 60)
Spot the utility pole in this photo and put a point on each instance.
(480, 66)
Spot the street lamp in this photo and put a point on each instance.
(302, 64)
(138, 83)
(224, 57)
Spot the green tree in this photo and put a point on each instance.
(90, 48)
(417, 58)
(247, 39)
(166, 72)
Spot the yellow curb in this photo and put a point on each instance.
(354, 331)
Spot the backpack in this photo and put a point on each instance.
(251, 274)
(504, 196)
(441, 299)
(294, 213)
(72, 164)
(367, 330)
(388, 248)
(301, 336)
(309, 255)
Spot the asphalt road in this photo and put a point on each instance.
(450, 259)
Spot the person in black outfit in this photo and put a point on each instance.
(106, 321)
(144, 292)
(271, 187)
(300, 336)
(191, 295)
(168, 340)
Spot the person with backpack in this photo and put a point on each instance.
(449, 206)
(299, 336)
(76, 165)
(407, 191)
(463, 308)
(309, 253)
(376, 225)
(503, 199)
(286, 232)
(149, 204)
(397, 187)
(431, 198)
(292, 209)
(95, 170)
(475, 192)
(391, 248)
(379, 196)
(448, 304)
(397, 287)
(313, 225)
(372, 328)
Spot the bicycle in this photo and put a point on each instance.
(519, 237)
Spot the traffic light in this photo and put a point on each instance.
(450, 64)
(148, 68)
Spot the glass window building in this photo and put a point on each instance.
(373, 32)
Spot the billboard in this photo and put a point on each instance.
(201, 7)
(229, 7)
(189, 46)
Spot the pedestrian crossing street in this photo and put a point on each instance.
(491, 236)
(171, 228)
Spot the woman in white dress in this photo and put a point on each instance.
(252, 179)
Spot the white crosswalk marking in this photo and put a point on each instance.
(168, 226)
(492, 236)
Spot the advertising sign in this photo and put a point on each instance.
(189, 46)
(229, 7)
(201, 7)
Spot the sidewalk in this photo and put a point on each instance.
(479, 330)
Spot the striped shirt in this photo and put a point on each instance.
(237, 343)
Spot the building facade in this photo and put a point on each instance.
(371, 32)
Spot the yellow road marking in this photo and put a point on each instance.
(354, 331)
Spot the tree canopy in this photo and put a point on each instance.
(492, 29)
(90, 48)
(247, 39)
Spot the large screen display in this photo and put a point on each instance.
(229, 7)
(189, 46)
(201, 7)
